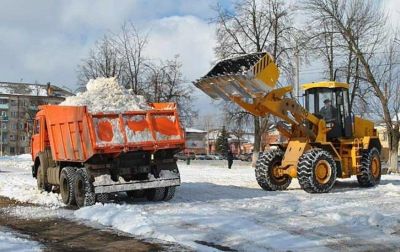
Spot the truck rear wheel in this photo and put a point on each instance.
(155, 194)
(169, 193)
(67, 180)
(159, 194)
(265, 174)
(84, 191)
(370, 173)
(40, 180)
(316, 171)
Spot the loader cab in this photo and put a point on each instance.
(330, 101)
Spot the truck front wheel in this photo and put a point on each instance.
(84, 192)
(40, 179)
(67, 179)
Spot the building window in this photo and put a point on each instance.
(4, 125)
(12, 138)
(13, 102)
(3, 101)
(14, 126)
(12, 150)
(20, 126)
(22, 138)
(3, 113)
(14, 114)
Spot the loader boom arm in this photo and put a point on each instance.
(289, 110)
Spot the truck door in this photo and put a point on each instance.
(36, 141)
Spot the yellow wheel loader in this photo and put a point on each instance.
(325, 140)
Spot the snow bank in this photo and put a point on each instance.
(9, 241)
(106, 95)
(224, 207)
(16, 182)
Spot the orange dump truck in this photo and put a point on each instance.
(87, 156)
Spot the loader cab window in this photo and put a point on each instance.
(332, 105)
(322, 103)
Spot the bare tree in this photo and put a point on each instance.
(103, 61)
(121, 55)
(363, 26)
(165, 83)
(255, 26)
(131, 44)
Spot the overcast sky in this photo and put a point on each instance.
(45, 40)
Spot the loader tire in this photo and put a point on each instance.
(67, 189)
(155, 194)
(265, 166)
(316, 171)
(40, 179)
(370, 172)
(169, 193)
(84, 191)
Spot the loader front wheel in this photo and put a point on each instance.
(67, 180)
(84, 191)
(316, 171)
(370, 173)
(265, 171)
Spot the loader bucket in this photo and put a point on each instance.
(247, 76)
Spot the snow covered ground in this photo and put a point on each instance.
(11, 242)
(220, 208)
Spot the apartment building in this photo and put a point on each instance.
(18, 105)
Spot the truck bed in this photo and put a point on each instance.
(76, 135)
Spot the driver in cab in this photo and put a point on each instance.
(328, 112)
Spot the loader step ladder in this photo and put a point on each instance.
(358, 154)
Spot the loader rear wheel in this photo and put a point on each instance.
(316, 171)
(67, 180)
(370, 173)
(84, 191)
(40, 179)
(265, 175)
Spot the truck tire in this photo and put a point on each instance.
(67, 180)
(155, 194)
(265, 171)
(40, 180)
(169, 193)
(370, 173)
(316, 171)
(84, 191)
(136, 194)
(102, 197)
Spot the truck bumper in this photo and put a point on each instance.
(137, 185)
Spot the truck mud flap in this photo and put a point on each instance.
(137, 185)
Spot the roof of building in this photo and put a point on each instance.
(192, 130)
(29, 89)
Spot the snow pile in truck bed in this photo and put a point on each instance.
(106, 95)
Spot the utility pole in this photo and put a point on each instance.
(297, 73)
(1, 135)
